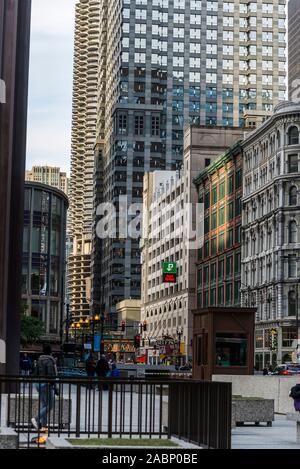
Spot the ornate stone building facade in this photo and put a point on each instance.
(270, 237)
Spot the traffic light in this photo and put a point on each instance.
(123, 326)
(145, 326)
(274, 339)
(137, 341)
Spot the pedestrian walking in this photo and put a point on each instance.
(115, 372)
(102, 367)
(25, 365)
(46, 367)
(90, 365)
(295, 394)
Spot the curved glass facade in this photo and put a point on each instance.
(44, 245)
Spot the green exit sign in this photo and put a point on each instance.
(169, 268)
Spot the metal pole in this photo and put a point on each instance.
(297, 316)
(67, 323)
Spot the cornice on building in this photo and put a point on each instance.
(230, 154)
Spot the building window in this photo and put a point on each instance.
(213, 246)
(229, 241)
(221, 216)
(230, 184)
(230, 211)
(214, 220)
(155, 126)
(228, 293)
(229, 266)
(231, 349)
(292, 267)
(214, 193)
(292, 303)
(289, 334)
(293, 136)
(122, 124)
(293, 164)
(293, 232)
(221, 241)
(222, 190)
(293, 195)
(221, 295)
(139, 125)
(207, 200)
(221, 269)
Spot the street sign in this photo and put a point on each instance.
(169, 272)
(87, 346)
(170, 268)
(169, 278)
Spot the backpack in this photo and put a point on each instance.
(295, 392)
(46, 366)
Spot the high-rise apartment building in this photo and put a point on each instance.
(82, 159)
(293, 49)
(50, 175)
(164, 64)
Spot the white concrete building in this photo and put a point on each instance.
(167, 308)
(270, 239)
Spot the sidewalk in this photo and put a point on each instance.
(282, 435)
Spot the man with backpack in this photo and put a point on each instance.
(295, 394)
(45, 367)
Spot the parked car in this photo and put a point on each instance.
(287, 369)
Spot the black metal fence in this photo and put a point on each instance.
(199, 412)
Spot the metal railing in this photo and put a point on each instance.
(197, 411)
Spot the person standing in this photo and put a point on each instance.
(295, 394)
(115, 373)
(102, 367)
(90, 366)
(46, 368)
(25, 365)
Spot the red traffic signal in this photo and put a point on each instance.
(137, 341)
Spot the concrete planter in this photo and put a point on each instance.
(27, 408)
(255, 410)
(8, 439)
(296, 418)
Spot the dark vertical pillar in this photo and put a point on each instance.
(14, 65)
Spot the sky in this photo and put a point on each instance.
(50, 83)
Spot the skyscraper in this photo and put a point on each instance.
(86, 57)
(49, 175)
(294, 51)
(164, 64)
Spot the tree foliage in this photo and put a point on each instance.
(31, 329)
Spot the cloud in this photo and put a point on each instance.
(50, 83)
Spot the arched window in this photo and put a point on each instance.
(293, 136)
(293, 232)
(292, 303)
(293, 196)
